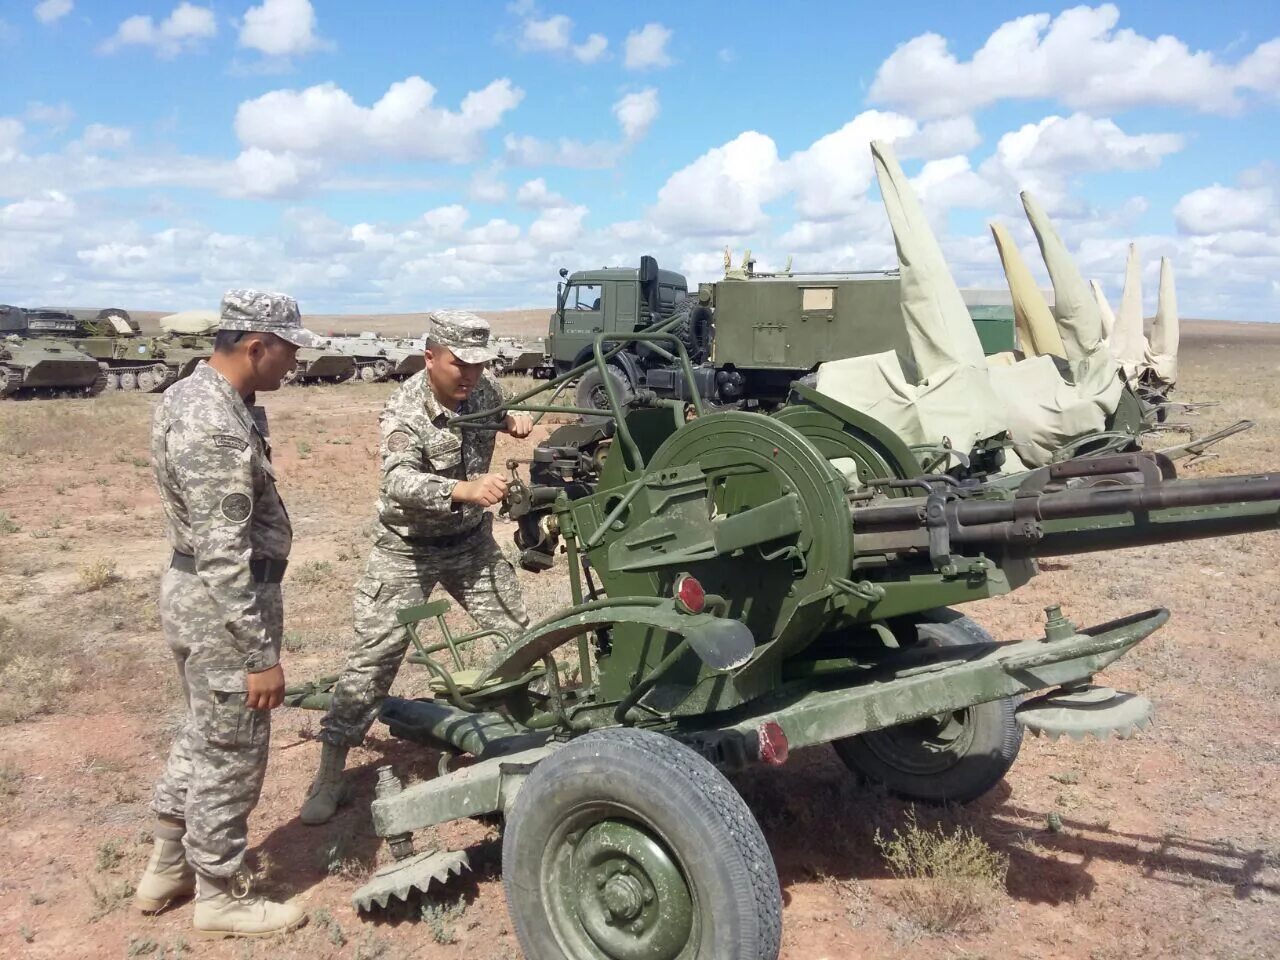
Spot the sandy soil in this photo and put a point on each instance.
(1169, 844)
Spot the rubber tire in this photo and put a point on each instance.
(997, 737)
(591, 381)
(670, 790)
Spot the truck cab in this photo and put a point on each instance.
(609, 300)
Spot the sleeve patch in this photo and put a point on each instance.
(236, 507)
(398, 442)
(230, 442)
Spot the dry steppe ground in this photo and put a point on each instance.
(1164, 846)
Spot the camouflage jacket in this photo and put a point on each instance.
(212, 462)
(423, 460)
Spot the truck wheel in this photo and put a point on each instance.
(950, 758)
(591, 392)
(626, 844)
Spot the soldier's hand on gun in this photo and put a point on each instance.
(484, 491)
(266, 689)
(518, 424)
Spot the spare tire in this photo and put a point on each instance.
(694, 330)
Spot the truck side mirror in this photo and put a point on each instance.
(648, 269)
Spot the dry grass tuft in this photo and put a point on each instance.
(97, 575)
(35, 670)
(952, 879)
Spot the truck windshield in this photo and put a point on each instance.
(583, 296)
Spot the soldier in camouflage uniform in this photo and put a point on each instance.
(433, 527)
(222, 614)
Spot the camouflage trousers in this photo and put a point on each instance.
(214, 773)
(476, 575)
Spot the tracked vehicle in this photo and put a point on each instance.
(111, 336)
(46, 363)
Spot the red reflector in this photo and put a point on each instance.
(689, 593)
(773, 743)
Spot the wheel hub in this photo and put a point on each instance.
(632, 899)
(624, 896)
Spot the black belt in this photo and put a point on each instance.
(448, 540)
(263, 569)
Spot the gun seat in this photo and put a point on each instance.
(465, 680)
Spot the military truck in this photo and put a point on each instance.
(749, 336)
(43, 364)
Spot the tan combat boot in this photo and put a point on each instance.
(226, 907)
(327, 791)
(168, 876)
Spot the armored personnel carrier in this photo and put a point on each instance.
(47, 364)
(322, 366)
(377, 358)
(528, 357)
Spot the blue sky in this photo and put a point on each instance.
(386, 157)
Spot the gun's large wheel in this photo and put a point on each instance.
(751, 460)
(626, 845)
(950, 758)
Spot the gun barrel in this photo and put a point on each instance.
(1076, 520)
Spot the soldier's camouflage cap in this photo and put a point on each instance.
(464, 333)
(258, 311)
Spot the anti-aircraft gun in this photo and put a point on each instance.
(745, 584)
(113, 338)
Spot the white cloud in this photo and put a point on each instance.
(11, 134)
(647, 47)
(722, 193)
(591, 49)
(51, 11)
(49, 211)
(636, 113)
(262, 173)
(1219, 209)
(280, 28)
(324, 121)
(559, 228)
(554, 34)
(99, 136)
(55, 115)
(941, 138)
(1043, 157)
(446, 222)
(952, 182)
(529, 151)
(1079, 58)
(832, 174)
(551, 34)
(487, 185)
(185, 27)
(534, 193)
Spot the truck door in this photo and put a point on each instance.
(580, 320)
